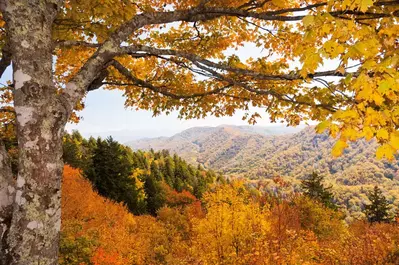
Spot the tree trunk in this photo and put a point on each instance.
(41, 116)
(36, 220)
(7, 192)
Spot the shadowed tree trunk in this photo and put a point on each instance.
(7, 192)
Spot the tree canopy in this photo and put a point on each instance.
(330, 61)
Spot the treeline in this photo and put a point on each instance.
(141, 180)
(235, 224)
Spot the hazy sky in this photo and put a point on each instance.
(105, 112)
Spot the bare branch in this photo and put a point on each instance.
(141, 83)
(72, 43)
(220, 66)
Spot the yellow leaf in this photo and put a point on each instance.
(394, 142)
(279, 3)
(383, 134)
(378, 99)
(368, 133)
(322, 126)
(386, 151)
(350, 133)
(308, 21)
(385, 85)
(338, 148)
(365, 4)
(341, 70)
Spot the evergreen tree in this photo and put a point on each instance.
(155, 195)
(71, 152)
(111, 174)
(169, 171)
(378, 210)
(114, 170)
(314, 188)
(155, 173)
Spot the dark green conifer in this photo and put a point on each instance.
(314, 188)
(378, 209)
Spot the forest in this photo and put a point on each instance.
(231, 224)
(143, 181)
(261, 157)
(160, 210)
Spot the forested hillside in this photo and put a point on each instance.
(234, 224)
(144, 181)
(243, 153)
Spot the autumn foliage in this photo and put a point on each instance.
(233, 224)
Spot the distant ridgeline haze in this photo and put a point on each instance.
(261, 154)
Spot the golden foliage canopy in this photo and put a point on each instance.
(335, 62)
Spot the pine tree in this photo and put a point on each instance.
(378, 210)
(71, 152)
(314, 188)
(155, 173)
(155, 195)
(111, 172)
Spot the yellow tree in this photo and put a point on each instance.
(233, 228)
(172, 55)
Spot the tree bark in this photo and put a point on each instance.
(41, 116)
(7, 192)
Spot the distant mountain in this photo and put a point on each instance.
(194, 144)
(124, 136)
(262, 154)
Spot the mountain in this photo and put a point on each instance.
(263, 155)
(124, 136)
(195, 144)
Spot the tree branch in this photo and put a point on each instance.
(125, 72)
(141, 83)
(220, 66)
(7, 110)
(76, 88)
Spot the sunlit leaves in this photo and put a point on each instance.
(339, 148)
(354, 41)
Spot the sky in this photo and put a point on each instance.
(105, 113)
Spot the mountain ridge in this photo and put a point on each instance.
(258, 157)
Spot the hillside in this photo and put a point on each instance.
(264, 154)
(260, 156)
(196, 144)
(143, 181)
